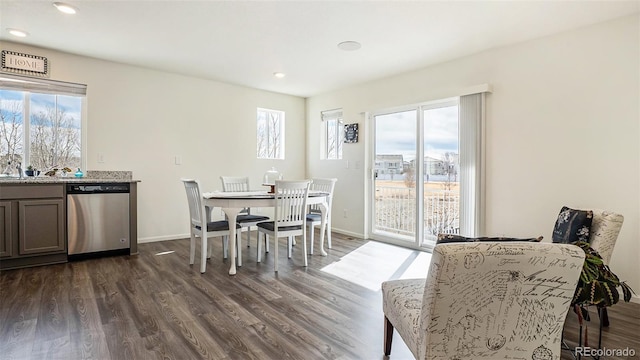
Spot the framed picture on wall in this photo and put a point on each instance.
(351, 133)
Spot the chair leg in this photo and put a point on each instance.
(203, 255)
(225, 247)
(266, 243)
(239, 247)
(329, 231)
(289, 245)
(275, 254)
(248, 236)
(304, 248)
(259, 246)
(311, 238)
(209, 249)
(388, 336)
(192, 249)
(604, 317)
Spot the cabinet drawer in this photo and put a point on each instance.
(9, 192)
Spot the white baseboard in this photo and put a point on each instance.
(187, 235)
(634, 299)
(162, 238)
(347, 233)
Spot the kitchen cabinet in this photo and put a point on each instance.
(32, 225)
(6, 248)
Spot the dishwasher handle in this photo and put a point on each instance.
(109, 188)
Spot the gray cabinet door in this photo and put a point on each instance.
(41, 226)
(6, 238)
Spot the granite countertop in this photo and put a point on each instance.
(90, 177)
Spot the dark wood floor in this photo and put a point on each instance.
(156, 306)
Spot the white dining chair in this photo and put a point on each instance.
(314, 217)
(199, 217)
(289, 217)
(245, 218)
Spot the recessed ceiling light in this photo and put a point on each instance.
(279, 75)
(18, 33)
(349, 45)
(65, 8)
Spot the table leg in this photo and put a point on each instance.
(232, 214)
(323, 226)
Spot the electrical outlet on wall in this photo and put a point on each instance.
(345, 211)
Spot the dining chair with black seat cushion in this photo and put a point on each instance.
(245, 218)
(289, 216)
(485, 300)
(198, 216)
(314, 217)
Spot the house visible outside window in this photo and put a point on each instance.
(334, 133)
(270, 141)
(40, 123)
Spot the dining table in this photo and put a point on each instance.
(232, 202)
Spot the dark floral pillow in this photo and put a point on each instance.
(450, 238)
(572, 225)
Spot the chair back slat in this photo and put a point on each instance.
(192, 188)
(324, 185)
(291, 202)
(235, 183)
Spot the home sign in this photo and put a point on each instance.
(24, 64)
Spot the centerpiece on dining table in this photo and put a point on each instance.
(270, 178)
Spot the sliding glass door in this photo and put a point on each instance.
(396, 148)
(416, 174)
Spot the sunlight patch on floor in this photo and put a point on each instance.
(419, 267)
(375, 262)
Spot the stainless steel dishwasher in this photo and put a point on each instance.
(97, 219)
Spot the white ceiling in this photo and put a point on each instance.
(245, 42)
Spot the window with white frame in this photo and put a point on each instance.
(40, 123)
(270, 141)
(333, 133)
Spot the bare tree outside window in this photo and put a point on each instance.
(270, 134)
(11, 129)
(53, 137)
(334, 130)
(450, 165)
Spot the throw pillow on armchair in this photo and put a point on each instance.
(572, 225)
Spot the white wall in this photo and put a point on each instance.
(140, 119)
(563, 128)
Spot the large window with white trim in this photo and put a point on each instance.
(41, 124)
(270, 141)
